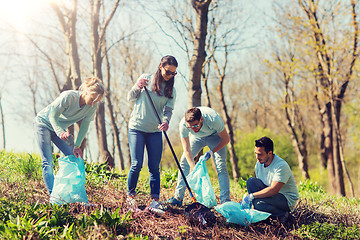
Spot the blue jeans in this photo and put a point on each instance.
(196, 144)
(277, 204)
(137, 142)
(44, 138)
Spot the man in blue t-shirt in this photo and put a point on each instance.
(203, 126)
(274, 189)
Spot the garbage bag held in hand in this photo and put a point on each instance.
(234, 213)
(199, 182)
(69, 182)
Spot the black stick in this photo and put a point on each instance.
(172, 150)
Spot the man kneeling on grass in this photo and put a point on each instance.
(273, 190)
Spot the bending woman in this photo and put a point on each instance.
(144, 127)
(51, 124)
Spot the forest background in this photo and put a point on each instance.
(286, 69)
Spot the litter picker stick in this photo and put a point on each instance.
(172, 150)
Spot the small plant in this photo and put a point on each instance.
(137, 237)
(115, 221)
(168, 178)
(29, 167)
(242, 183)
(99, 173)
(183, 229)
(308, 186)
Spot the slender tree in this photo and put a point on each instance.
(67, 18)
(295, 121)
(221, 72)
(334, 86)
(98, 36)
(201, 8)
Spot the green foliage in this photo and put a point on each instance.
(99, 173)
(183, 229)
(308, 186)
(137, 237)
(29, 167)
(19, 221)
(313, 192)
(114, 221)
(168, 178)
(19, 166)
(242, 182)
(328, 231)
(245, 144)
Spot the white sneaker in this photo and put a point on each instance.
(157, 205)
(132, 204)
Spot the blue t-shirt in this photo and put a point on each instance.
(143, 118)
(279, 171)
(212, 123)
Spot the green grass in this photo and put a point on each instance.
(321, 216)
(328, 231)
(41, 221)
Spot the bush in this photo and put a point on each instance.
(245, 144)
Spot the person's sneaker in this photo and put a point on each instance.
(132, 204)
(291, 219)
(157, 205)
(174, 202)
(284, 218)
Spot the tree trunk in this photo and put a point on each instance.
(336, 103)
(198, 57)
(115, 128)
(293, 115)
(68, 22)
(233, 158)
(328, 149)
(323, 149)
(205, 77)
(105, 155)
(116, 134)
(300, 147)
(326, 76)
(98, 41)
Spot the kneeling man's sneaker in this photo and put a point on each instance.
(174, 202)
(287, 218)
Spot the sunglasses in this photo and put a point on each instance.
(170, 73)
(195, 126)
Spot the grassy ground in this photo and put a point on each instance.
(26, 214)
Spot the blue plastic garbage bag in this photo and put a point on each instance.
(234, 213)
(69, 182)
(199, 182)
